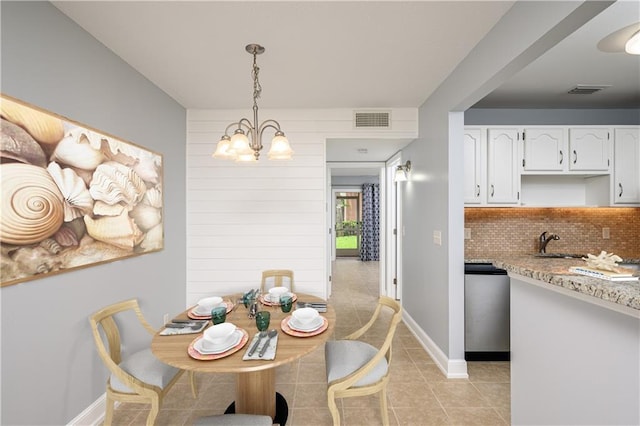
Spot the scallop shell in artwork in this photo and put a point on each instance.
(146, 217)
(153, 197)
(153, 239)
(120, 231)
(76, 150)
(77, 199)
(113, 183)
(32, 206)
(44, 128)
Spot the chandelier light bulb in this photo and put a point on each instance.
(633, 44)
(223, 149)
(280, 148)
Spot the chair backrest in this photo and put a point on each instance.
(385, 349)
(277, 278)
(103, 322)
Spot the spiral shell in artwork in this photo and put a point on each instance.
(120, 231)
(76, 150)
(116, 183)
(77, 199)
(32, 207)
(51, 245)
(44, 128)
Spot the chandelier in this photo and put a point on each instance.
(246, 142)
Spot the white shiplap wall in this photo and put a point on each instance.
(244, 218)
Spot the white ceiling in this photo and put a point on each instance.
(336, 54)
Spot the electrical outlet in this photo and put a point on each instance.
(606, 234)
(467, 233)
(165, 319)
(437, 238)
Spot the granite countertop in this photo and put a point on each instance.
(556, 272)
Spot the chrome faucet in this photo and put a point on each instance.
(544, 240)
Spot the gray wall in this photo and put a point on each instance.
(50, 369)
(532, 117)
(337, 181)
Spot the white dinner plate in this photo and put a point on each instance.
(223, 347)
(316, 324)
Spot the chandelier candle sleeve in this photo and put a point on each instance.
(245, 143)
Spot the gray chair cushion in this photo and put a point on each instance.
(144, 366)
(234, 420)
(343, 357)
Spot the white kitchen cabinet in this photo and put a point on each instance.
(544, 149)
(474, 184)
(626, 166)
(503, 177)
(589, 149)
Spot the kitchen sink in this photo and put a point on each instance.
(560, 255)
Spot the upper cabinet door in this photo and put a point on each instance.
(473, 187)
(503, 179)
(626, 169)
(588, 149)
(544, 149)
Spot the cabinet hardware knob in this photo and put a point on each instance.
(575, 157)
(620, 186)
(561, 157)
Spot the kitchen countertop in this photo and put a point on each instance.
(555, 272)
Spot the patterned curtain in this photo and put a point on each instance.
(370, 243)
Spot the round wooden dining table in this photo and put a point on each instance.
(255, 379)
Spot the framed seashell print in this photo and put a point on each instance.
(72, 196)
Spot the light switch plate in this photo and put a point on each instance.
(437, 238)
(467, 233)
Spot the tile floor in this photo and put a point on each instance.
(419, 394)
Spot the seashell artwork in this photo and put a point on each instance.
(604, 261)
(44, 128)
(120, 231)
(32, 207)
(75, 150)
(72, 196)
(77, 199)
(16, 144)
(116, 183)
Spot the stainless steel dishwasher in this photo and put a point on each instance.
(486, 312)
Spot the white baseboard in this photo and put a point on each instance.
(452, 368)
(93, 415)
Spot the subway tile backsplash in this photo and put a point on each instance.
(516, 230)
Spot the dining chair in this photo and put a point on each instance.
(138, 377)
(276, 278)
(357, 368)
(234, 420)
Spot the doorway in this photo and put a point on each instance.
(348, 225)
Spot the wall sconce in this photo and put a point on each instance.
(402, 172)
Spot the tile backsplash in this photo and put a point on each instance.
(516, 230)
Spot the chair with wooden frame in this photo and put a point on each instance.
(138, 377)
(357, 368)
(277, 278)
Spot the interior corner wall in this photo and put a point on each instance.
(51, 371)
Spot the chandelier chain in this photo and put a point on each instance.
(257, 88)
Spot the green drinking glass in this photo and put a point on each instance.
(262, 320)
(219, 314)
(286, 302)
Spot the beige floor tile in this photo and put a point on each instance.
(172, 417)
(287, 373)
(494, 372)
(365, 417)
(371, 402)
(505, 413)
(310, 417)
(420, 416)
(451, 394)
(310, 395)
(418, 354)
(470, 416)
(496, 394)
(409, 395)
(405, 373)
(312, 373)
(126, 417)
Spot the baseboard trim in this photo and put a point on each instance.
(452, 368)
(93, 415)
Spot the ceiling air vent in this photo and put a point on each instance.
(372, 119)
(587, 89)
